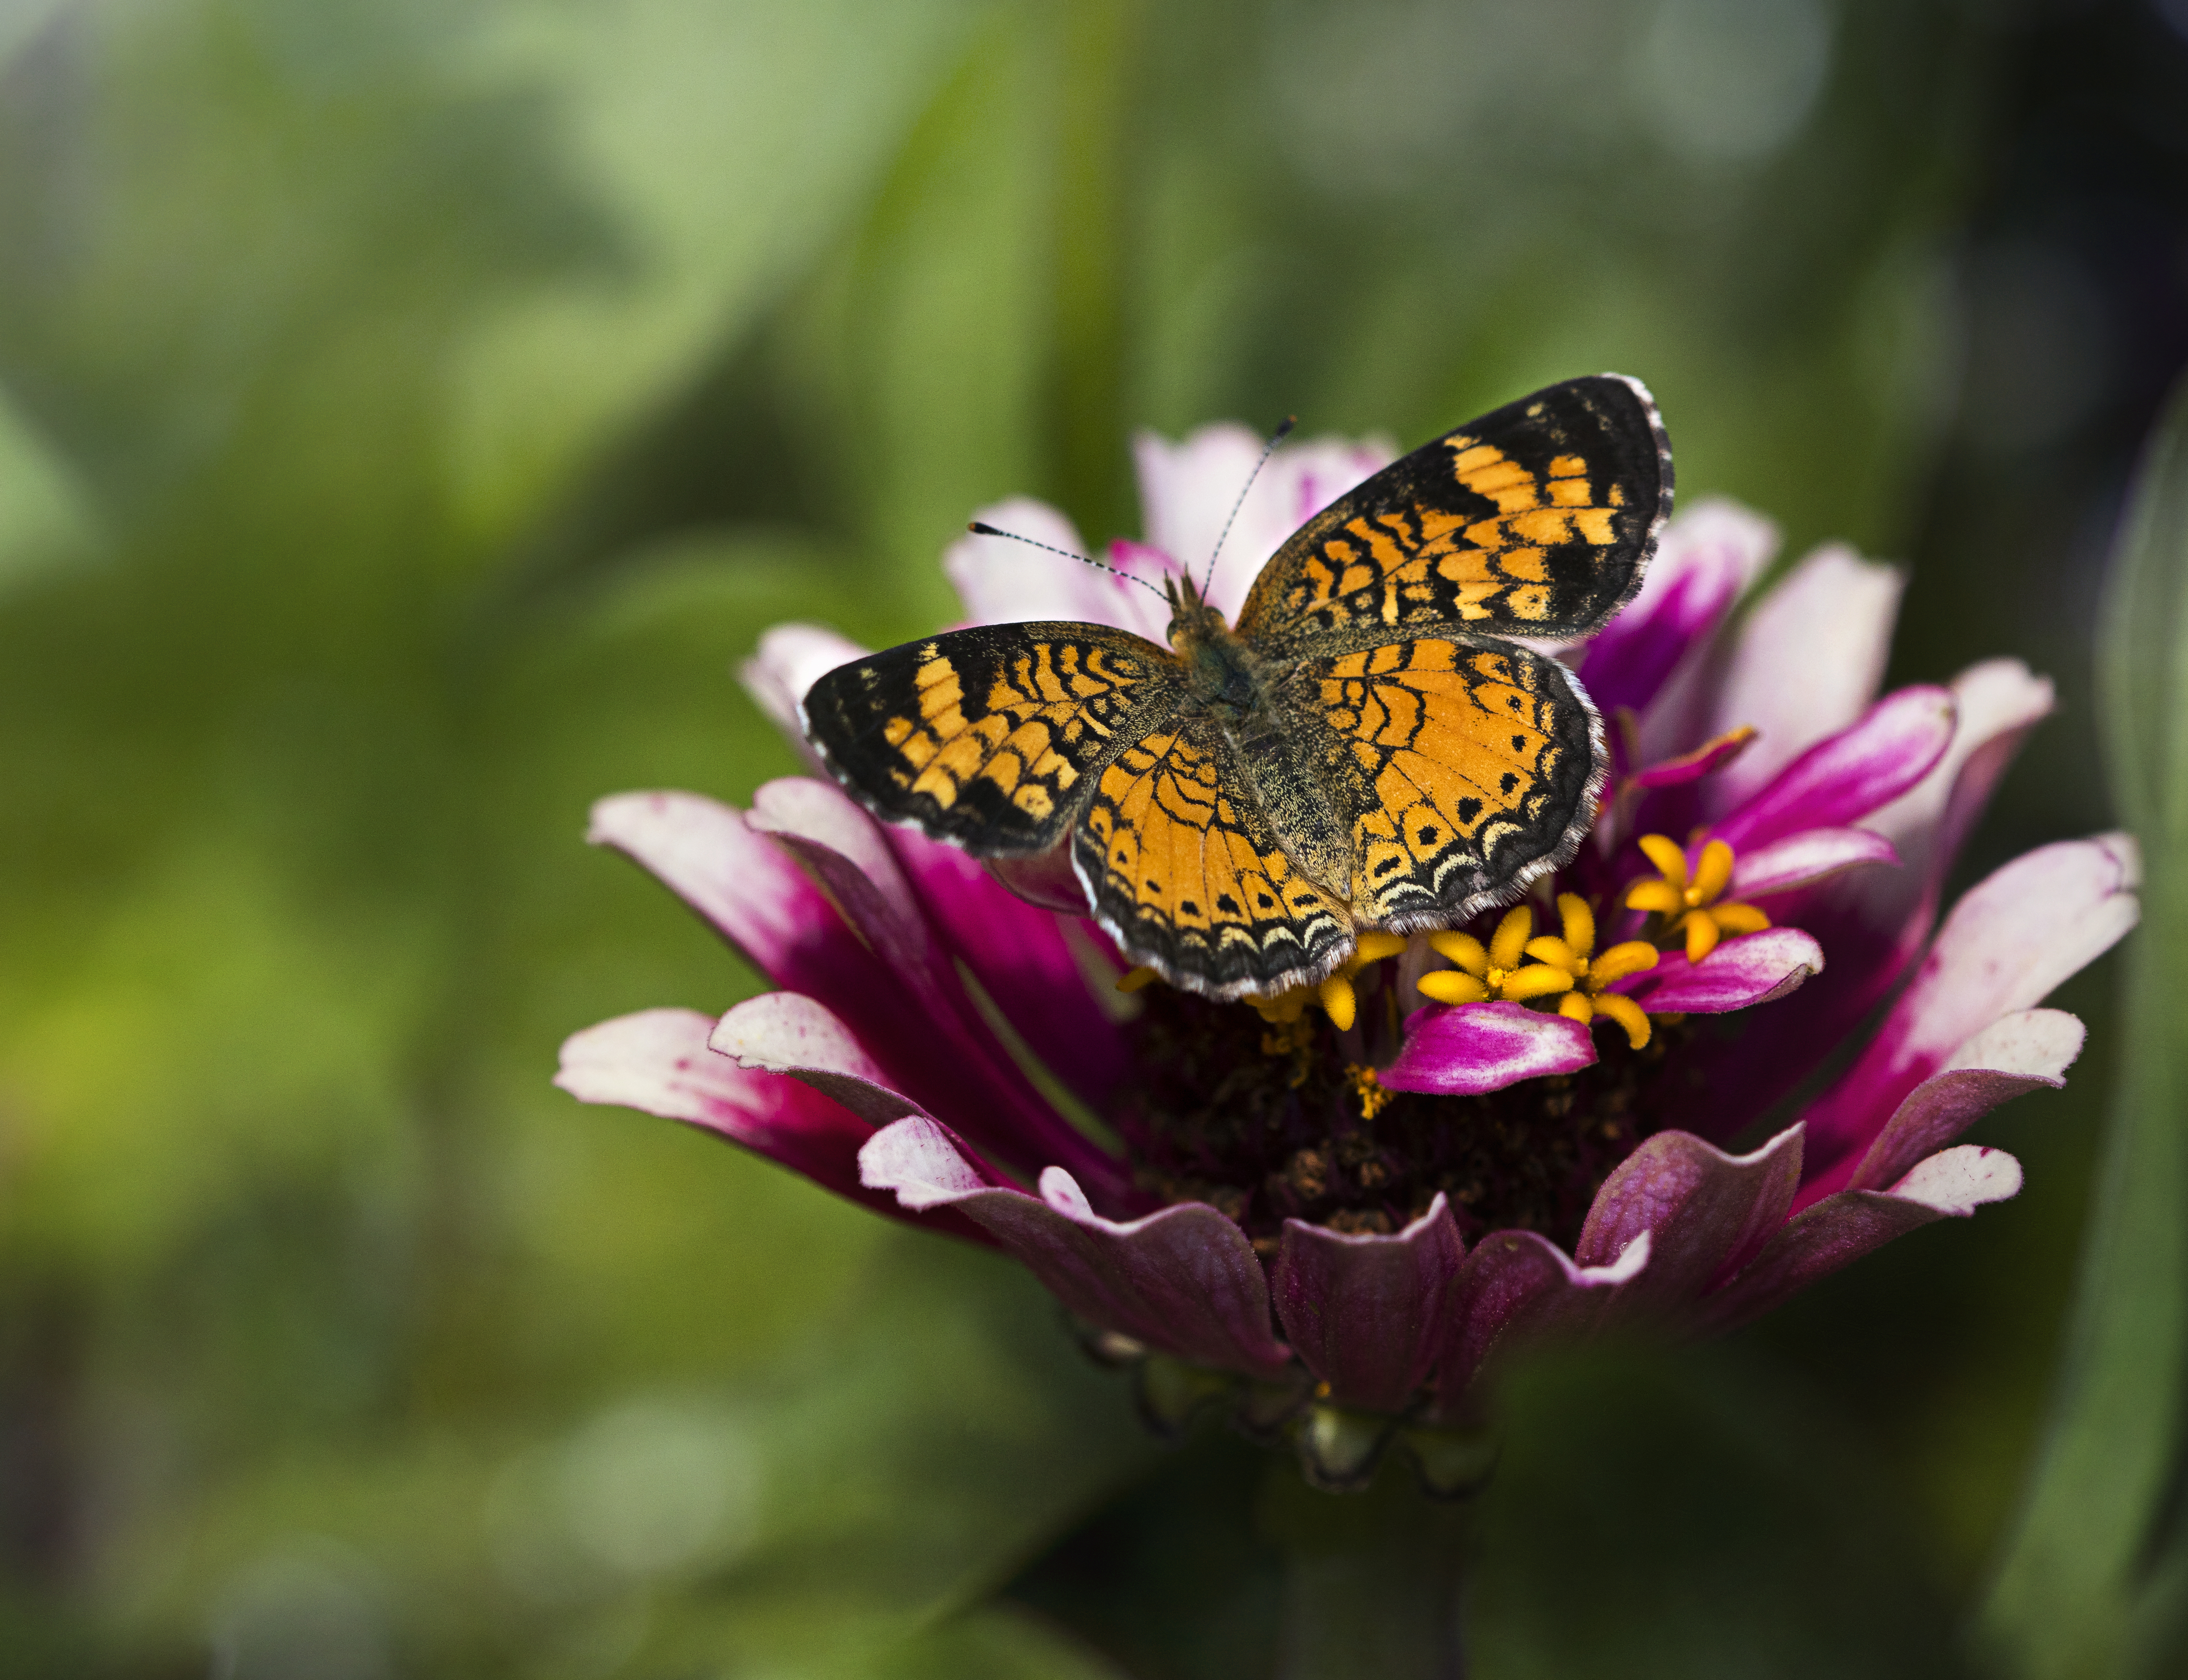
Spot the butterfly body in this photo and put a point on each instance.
(1365, 748)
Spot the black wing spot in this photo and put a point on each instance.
(1519, 743)
(1468, 809)
(1186, 907)
(1428, 835)
(1388, 864)
(1513, 703)
(1509, 782)
(1266, 901)
(1226, 904)
(1154, 886)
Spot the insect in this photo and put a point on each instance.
(1364, 749)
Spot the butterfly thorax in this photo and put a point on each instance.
(1222, 671)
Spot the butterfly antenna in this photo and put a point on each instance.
(1267, 450)
(980, 529)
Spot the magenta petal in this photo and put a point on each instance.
(1862, 768)
(1366, 1313)
(1023, 962)
(1705, 558)
(658, 1062)
(2007, 943)
(1705, 1212)
(784, 1033)
(2027, 1051)
(1466, 1049)
(1740, 974)
(1516, 1286)
(1708, 758)
(1803, 858)
(1841, 1229)
(1183, 1280)
(847, 852)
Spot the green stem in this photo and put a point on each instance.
(1372, 1582)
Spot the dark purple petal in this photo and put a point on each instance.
(1848, 775)
(1184, 1280)
(1516, 1286)
(1705, 1212)
(1024, 961)
(1366, 1313)
(1807, 661)
(658, 1062)
(1045, 879)
(1802, 859)
(1703, 559)
(1463, 1050)
(2009, 941)
(787, 1033)
(1842, 1228)
(1741, 972)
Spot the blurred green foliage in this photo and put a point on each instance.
(410, 409)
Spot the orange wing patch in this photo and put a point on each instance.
(1186, 869)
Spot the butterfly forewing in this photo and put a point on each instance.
(984, 737)
(1536, 519)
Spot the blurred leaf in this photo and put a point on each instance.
(2080, 1556)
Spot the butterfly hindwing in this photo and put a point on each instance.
(1536, 519)
(1477, 770)
(1188, 874)
(986, 737)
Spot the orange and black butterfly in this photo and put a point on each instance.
(1364, 749)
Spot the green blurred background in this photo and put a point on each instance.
(411, 409)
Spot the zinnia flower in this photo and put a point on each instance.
(1333, 1211)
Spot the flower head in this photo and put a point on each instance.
(1334, 1209)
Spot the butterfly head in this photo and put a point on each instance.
(1193, 622)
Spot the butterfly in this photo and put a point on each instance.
(1365, 749)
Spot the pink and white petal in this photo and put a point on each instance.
(658, 1062)
(1188, 489)
(1802, 860)
(1183, 1280)
(801, 1039)
(1514, 1287)
(1808, 662)
(2029, 1050)
(1706, 1213)
(2011, 939)
(1022, 962)
(1741, 972)
(789, 660)
(1998, 703)
(1841, 1229)
(844, 848)
(1848, 775)
(740, 881)
(1001, 582)
(1704, 560)
(1470, 1048)
(1366, 1312)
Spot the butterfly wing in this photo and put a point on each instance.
(1188, 876)
(1536, 520)
(1468, 771)
(987, 737)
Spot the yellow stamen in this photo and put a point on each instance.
(1575, 1006)
(1462, 949)
(1137, 979)
(1509, 942)
(1633, 957)
(1373, 1097)
(1627, 1013)
(1579, 921)
(1450, 985)
(1537, 979)
(1342, 1002)
(1690, 908)
(1374, 948)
